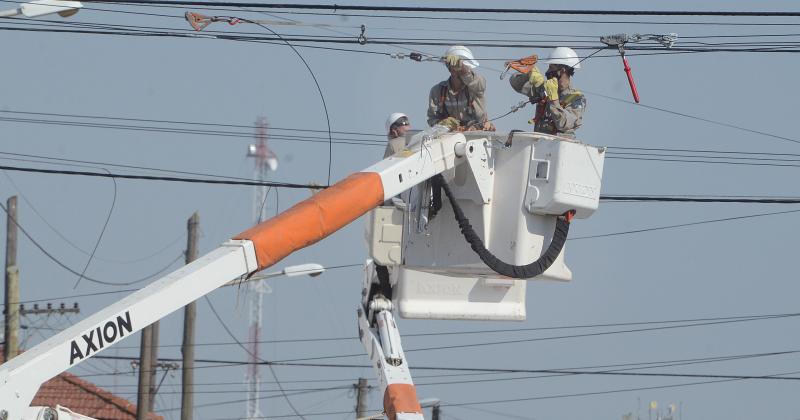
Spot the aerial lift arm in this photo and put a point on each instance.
(255, 249)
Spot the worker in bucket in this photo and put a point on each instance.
(458, 102)
(397, 125)
(560, 106)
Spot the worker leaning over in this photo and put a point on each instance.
(397, 124)
(560, 106)
(459, 102)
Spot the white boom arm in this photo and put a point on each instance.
(253, 250)
(21, 377)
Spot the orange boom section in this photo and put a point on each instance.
(400, 398)
(315, 218)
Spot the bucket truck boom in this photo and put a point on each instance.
(253, 250)
(511, 199)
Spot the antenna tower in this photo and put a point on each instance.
(265, 161)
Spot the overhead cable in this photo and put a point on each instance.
(428, 9)
(642, 198)
(373, 41)
(688, 323)
(93, 280)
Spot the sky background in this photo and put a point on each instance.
(736, 268)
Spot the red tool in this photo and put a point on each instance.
(629, 74)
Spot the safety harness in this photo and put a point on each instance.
(442, 112)
(541, 106)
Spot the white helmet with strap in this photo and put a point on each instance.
(393, 117)
(564, 56)
(466, 55)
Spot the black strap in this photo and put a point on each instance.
(515, 271)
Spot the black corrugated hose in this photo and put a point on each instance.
(515, 271)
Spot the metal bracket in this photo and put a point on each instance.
(477, 153)
(538, 173)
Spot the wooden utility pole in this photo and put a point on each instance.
(11, 347)
(361, 398)
(153, 364)
(189, 315)
(145, 366)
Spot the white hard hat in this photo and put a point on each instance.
(565, 56)
(393, 117)
(467, 58)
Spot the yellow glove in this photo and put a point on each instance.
(551, 88)
(453, 60)
(449, 122)
(535, 77)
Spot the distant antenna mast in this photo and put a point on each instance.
(265, 161)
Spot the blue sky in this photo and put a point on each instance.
(724, 269)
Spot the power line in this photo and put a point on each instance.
(339, 14)
(69, 269)
(628, 232)
(73, 244)
(162, 178)
(584, 394)
(642, 198)
(681, 114)
(528, 340)
(557, 372)
(254, 356)
(337, 7)
(738, 318)
(374, 41)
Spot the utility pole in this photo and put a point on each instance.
(145, 366)
(361, 398)
(154, 327)
(11, 347)
(189, 315)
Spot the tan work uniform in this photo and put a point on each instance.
(560, 118)
(468, 105)
(394, 145)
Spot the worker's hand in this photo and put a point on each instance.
(449, 122)
(535, 77)
(453, 61)
(551, 88)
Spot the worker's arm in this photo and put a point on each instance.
(434, 113)
(476, 88)
(520, 83)
(568, 117)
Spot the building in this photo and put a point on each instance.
(83, 397)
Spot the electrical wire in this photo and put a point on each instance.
(652, 229)
(254, 356)
(689, 322)
(67, 268)
(319, 89)
(641, 198)
(622, 369)
(163, 178)
(481, 10)
(338, 14)
(527, 340)
(73, 244)
(102, 232)
(184, 122)
(374, 41)
(707, 120)
(584, 394)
